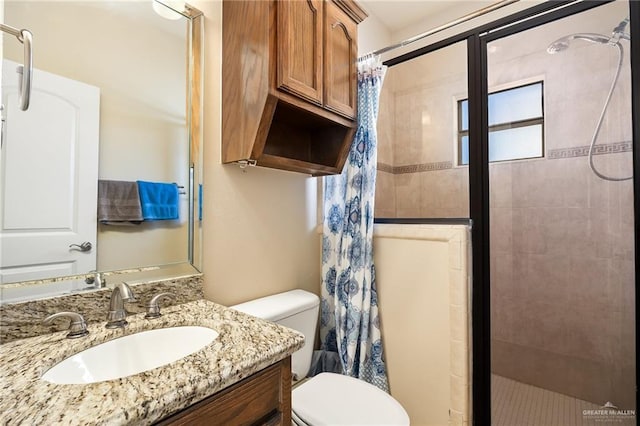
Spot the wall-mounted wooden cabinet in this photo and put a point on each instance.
(289, 83)
(340, 56)
(299, 52)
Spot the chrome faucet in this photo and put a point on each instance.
(77, 326)
(153, 307)
(117, 314)
(97, 279)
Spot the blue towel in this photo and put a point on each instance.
(200, 202)
(159, 201)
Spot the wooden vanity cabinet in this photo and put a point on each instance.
(289, 93)
(261, 399)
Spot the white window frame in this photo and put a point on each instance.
(501, 126)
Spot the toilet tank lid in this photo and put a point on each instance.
(279, 306)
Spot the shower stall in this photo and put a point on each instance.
(526, 127)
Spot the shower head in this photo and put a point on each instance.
(563, 43)
(618, 32)
(621, 26)
(558, 46)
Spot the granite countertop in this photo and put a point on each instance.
(24, 319)
(245, 345)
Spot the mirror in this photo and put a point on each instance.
(115, 96)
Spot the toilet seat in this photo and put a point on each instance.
(334, 399)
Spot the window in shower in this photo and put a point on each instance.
(516, 124)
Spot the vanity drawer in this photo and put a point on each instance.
(261, 399)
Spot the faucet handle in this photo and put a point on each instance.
(154, 307)
(77, 326)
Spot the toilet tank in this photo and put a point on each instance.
(296, 309)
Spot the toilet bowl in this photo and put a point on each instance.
(327, 398)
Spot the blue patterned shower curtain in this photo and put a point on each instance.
(350, 324)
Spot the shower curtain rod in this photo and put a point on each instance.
(465, 18)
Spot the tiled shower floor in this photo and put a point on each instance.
(518, 404)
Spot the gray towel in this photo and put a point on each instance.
(118, 202)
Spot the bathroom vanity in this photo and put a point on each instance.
(241, 377)
(261, 399)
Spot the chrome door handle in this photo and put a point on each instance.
(86, 246)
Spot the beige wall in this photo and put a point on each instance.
(372, 35)
(422, 277)
(140, 69)
(259, 226)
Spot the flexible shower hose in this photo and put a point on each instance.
(599, 125)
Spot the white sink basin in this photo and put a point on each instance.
(130, 355)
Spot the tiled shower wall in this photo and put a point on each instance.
(416, 138)
(561, 239)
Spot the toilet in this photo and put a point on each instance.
(327, 398)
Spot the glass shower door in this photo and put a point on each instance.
(562, 222)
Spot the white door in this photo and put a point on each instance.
(48, 177)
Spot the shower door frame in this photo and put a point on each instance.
(479, 185)
(477, 72)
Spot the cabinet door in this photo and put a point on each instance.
(341, 54)
(261, 399)
(299, 44)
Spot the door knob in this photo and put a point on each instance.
(86, 246)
